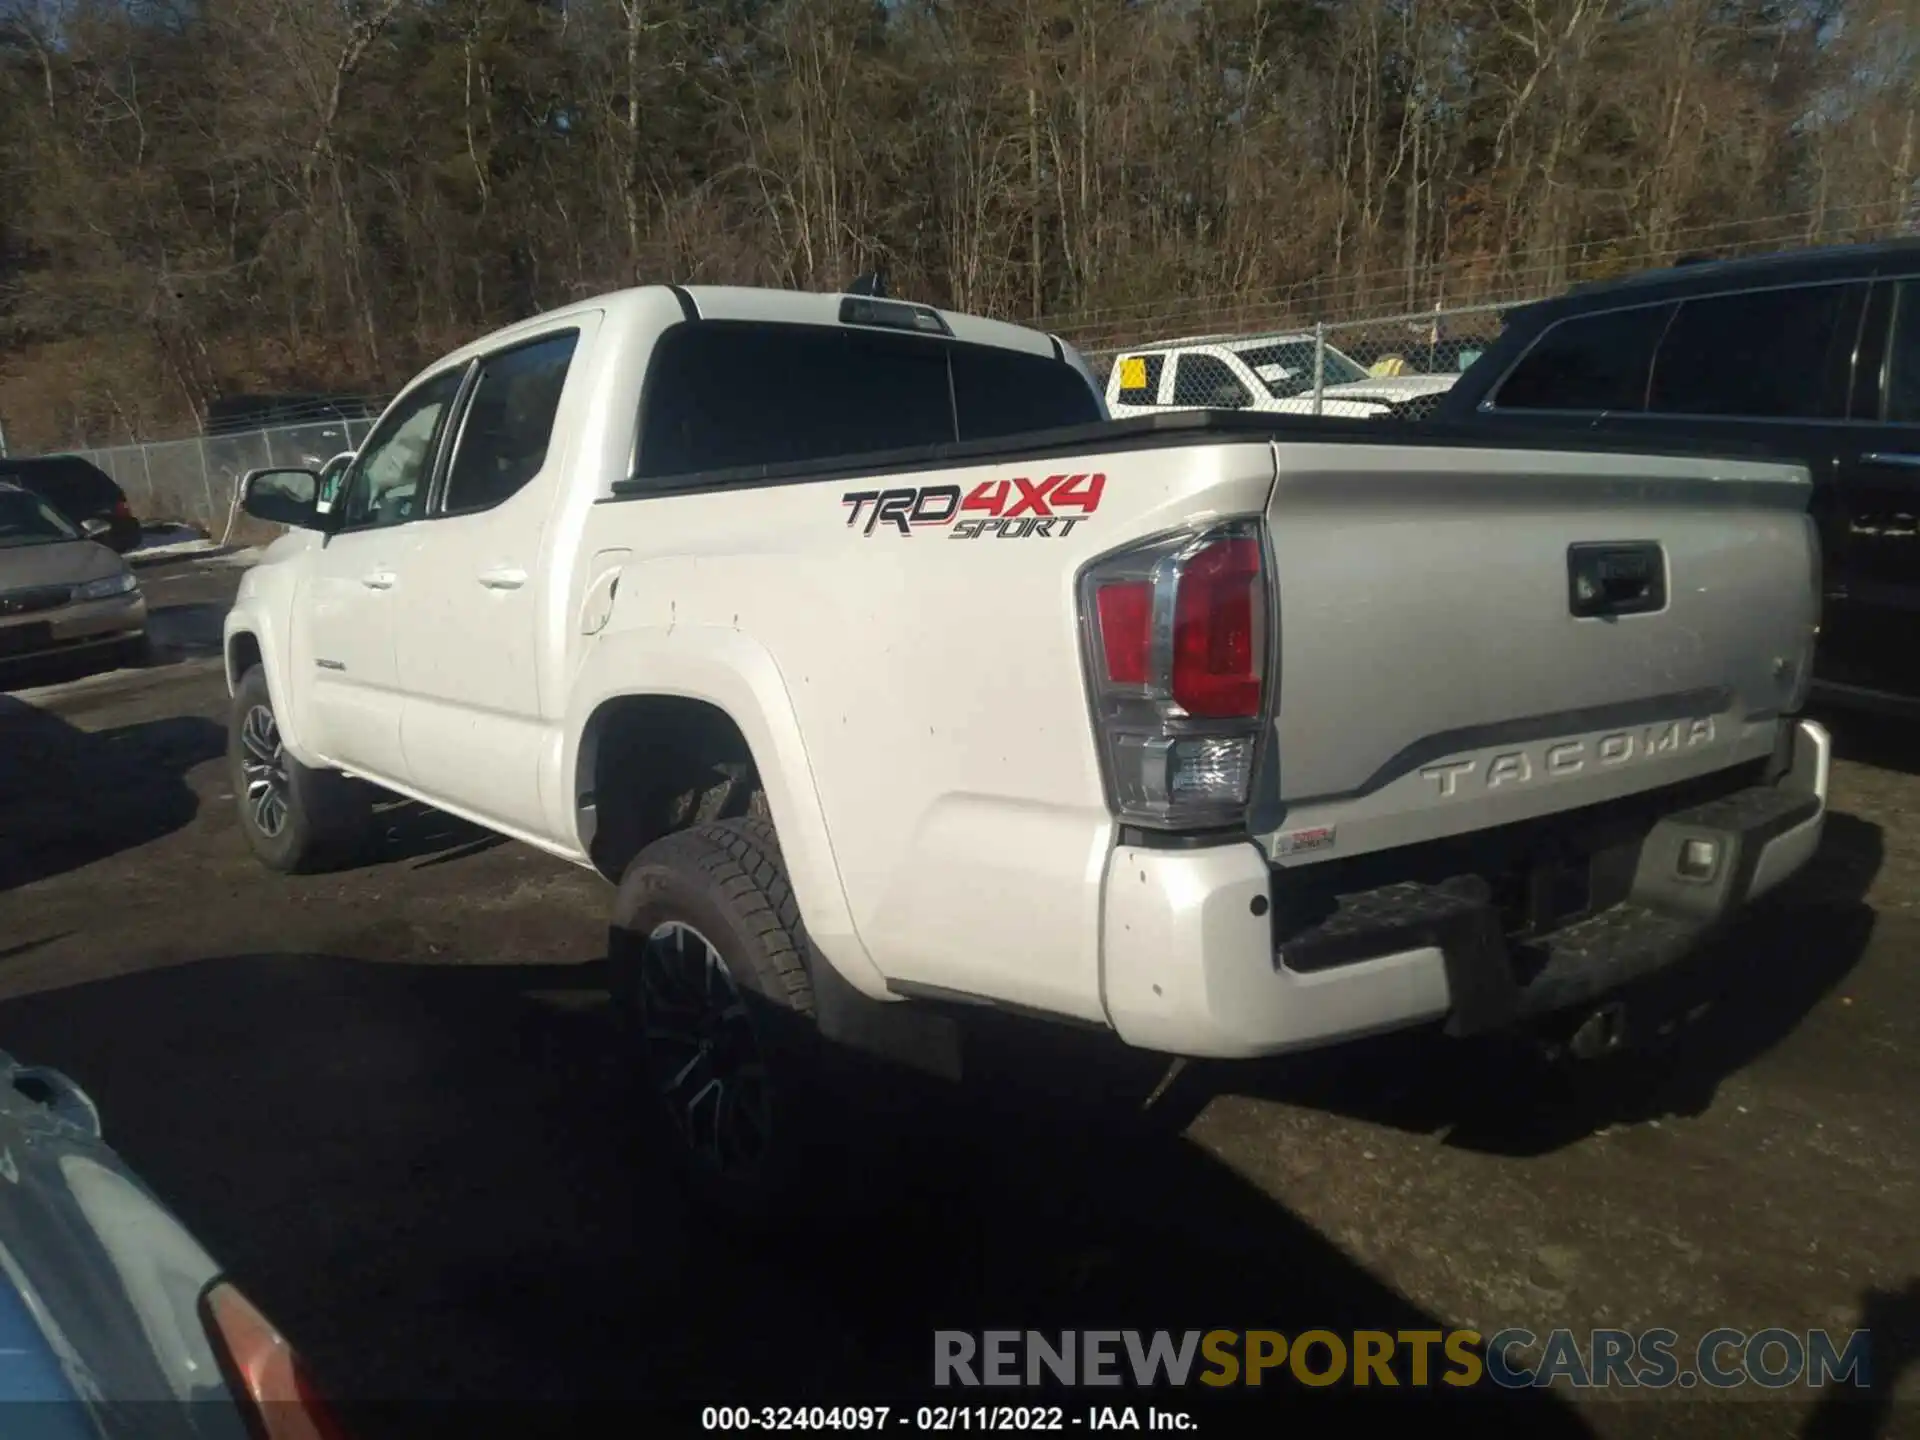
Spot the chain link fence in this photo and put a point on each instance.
(1395, 366)
(196, 482)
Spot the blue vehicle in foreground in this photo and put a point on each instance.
(114, 1321)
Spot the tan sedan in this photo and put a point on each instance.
(61, 590)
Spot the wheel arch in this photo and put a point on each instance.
(717, 696)
(248, 642)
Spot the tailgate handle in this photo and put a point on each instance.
(1616, 577)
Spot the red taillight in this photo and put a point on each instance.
(264, 1372)
(1216, 650)
(1175, 634)
(1126, 630)
(122, 511)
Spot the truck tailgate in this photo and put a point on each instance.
(1471, 637)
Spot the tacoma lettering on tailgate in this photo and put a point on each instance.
(1014, 509)
(1560, 758)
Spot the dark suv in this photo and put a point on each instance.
(1812, 355)
(81, 491)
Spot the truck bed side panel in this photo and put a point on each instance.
(935, 672)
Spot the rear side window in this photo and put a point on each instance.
(503, 439)
(723, 395)
(1778, 354)
(1903, 358)
(1139, 379)
(1591, 362)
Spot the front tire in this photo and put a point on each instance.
(296, 820)
(710, 974)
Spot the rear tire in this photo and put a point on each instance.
(709, 961)
(296, 820)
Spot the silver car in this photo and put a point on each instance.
(61, 589)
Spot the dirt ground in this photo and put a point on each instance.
(391, 1101)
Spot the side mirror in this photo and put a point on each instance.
(94, 527)
(282, 497)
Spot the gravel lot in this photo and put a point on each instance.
(390, 1101)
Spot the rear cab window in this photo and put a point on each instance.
(727, 395)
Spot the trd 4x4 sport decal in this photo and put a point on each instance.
(1015, 509)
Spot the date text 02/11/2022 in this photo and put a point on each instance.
(925, 1419)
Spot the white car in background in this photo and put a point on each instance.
(1273, 373)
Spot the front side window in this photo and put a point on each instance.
(388, 482)
(503, 438)
(1903, 357)
(1208, 382)
(1771, 354)
(1588, 363)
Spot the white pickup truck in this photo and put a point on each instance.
(885, 676)
(1274, 374)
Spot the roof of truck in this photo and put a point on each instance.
(1224, 342)
(741, 302)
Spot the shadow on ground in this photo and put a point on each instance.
(187, 631)
(69, 797)
(407, 830)
(1887, 742)
(58, 668)
(1892, 1318)
(437, 1180)
(1700, 1023)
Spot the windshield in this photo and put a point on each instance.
(1285, 367)
(27, 520)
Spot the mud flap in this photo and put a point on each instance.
(903, 1032)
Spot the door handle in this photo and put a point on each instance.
(1892, 459)
(503, 577)
(378, 580)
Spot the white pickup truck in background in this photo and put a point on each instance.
(1272, 374)
(886, 675)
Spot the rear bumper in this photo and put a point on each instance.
(1192, 964)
